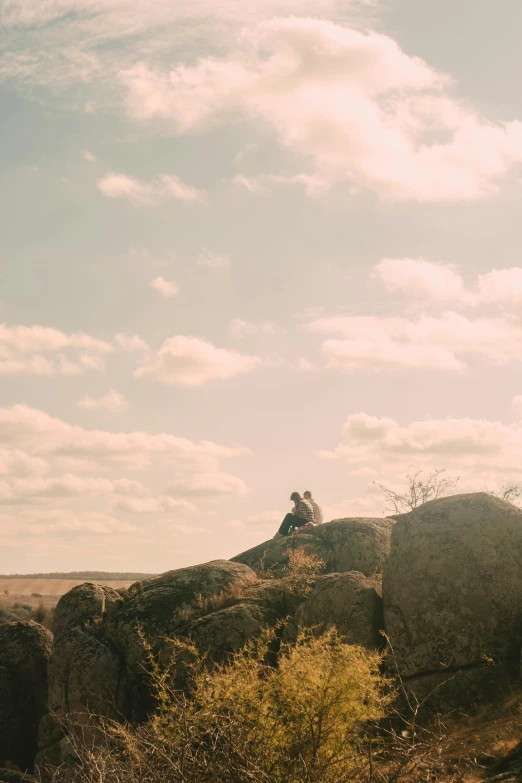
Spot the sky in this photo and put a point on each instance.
(250, 248)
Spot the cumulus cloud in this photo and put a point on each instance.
(15, 462)
(113, 401)
(190, 361)
(162, 188)
(42, 435)
(41, 350)
(362, 110)
(207, 258)
(60, 522)
(154, 505)
(131, 344)
(208, 486)
(478, 449)
(239, 328)
(35, 490)
(426, 342)
(165, 288)
(427, 280)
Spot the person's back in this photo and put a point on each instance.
(318, 512)
(305, 510)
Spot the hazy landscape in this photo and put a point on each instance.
(260, 391)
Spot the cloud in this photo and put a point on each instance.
(422, 279)
(190, 361)
(212, 260)
(113, 401)
(41, 350)
(88, 156)
(28, 491)
(426, 280)
(162, 188)
(156, 505)
(131, 344)
(164, 287)
(15, 462)
(353, 103)
(208, 486)
(426, 342)
(42, 435)
(478, 449)
(239, 328)
(61, 522)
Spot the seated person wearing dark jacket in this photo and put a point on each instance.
(302, 514)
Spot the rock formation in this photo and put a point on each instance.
(360, 544)
(25, 648)
(452, 591)
(452, 596)
(349, 602)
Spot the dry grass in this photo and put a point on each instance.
(24, 588)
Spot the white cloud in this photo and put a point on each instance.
(41, 339)
(162, 188)
(113, 401)
(426, 280)
(426, 342)
(353, 103)
(40, 350)
(15, 462)
(36, 490)
(239, 328)
(212, 260)
(422, 279)
(480, 450)
(500, 286)
(42, 435)
(88, 156)
(131, 344)
(208, 486)
(190, 361)
(61, 522)
(164, 287)
(149, 505)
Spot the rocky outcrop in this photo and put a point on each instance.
(452, 590)
(100, 651)
(85, 604)
(25, 648)
(349, 602)
(360, 544)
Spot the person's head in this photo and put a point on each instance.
(295, 496)
(308, 495)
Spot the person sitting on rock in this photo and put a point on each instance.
(318, 511)
(302, 514)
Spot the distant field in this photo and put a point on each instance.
(49, 590)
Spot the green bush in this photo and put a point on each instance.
(304, 721)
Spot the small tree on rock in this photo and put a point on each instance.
(418, 490)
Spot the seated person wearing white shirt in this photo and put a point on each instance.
(318, 512)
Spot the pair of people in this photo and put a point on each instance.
(305, 513)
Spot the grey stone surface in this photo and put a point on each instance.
(25, 648)
(359, 544)
(84, 604)
(452, 585)
(349, 602)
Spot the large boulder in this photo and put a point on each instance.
(84, 604)
(452, 588)
(359, 544)
(25, 648)
(158, 607)
(349, 602)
